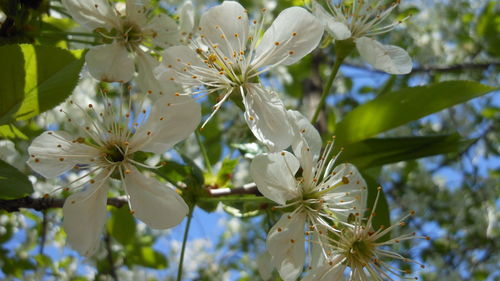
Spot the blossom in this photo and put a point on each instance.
(228, 58)
(360, 248)
(359, 21)
(320, 196)
(111, 138)
(127, 34)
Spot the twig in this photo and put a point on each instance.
(40, 204)
(112, 269)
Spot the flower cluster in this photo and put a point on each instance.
(323, 203)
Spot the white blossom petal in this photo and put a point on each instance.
(388, 58)
(338, 30)
(305, 134)
(285, 243)
(136, 12)
(53, 153)
(351, 188)
(265, 266)
(186, 17)
(84, 217)
(146, 78)
(165, 30)
(110, 63)
(92, 14)
(293, 34)
(227, 26)
(177, 60)
(172, 119)
(267, 118)
(326, 272)
(274, 174)
(152, 202)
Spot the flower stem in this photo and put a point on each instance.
(326, 89)
(184, 242)
(203, 152)
(342, 49)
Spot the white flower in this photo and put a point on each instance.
(361, 20)
(129, 32)
(359, 248)
(320, 196)
(106, 150)
(228, 59)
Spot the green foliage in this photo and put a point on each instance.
(398, 108)
(13, 183)
(121, 225)
(381, 151)
(34, 79)
(225, 172)
(382, 216)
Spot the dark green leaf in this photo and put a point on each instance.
(375, 152)
(398, 108)
(382, 215)
(13, 184)
(121, 225)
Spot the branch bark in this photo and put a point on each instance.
(40, 204)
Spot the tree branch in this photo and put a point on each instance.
(40, 204)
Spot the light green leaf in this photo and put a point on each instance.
(147, 257)
(226, 171)
(380, 151)
(121, 225)
(398, 108)
(34, 79)
(13, 184)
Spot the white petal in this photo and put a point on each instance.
(265, 266)
(180, 59)
(338, 30)
(285, 243)
(166, 31)
(310, 136)
(172, 119)
(267, 118)
(388, 58)
(296, 31)
(110, 63)
(352, 188)
(146, 79)
(92, 13)
(84, 216)
(326, 272)
(227, 26)
(136, 12)
(53, 153)
(274, 174)
(153, 202)
(187, 17)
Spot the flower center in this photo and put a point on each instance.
(361, 251)
(131, 33)
(115, 153)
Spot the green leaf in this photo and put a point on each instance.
(147, 257)
(121, 225)
(11, 132)
(226, 171)
(382, 215)
(34, 79)
(398, 108)
(13, 184)
(380, 151)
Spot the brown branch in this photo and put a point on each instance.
(40, 204)
(451, 68)
(44, 203)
